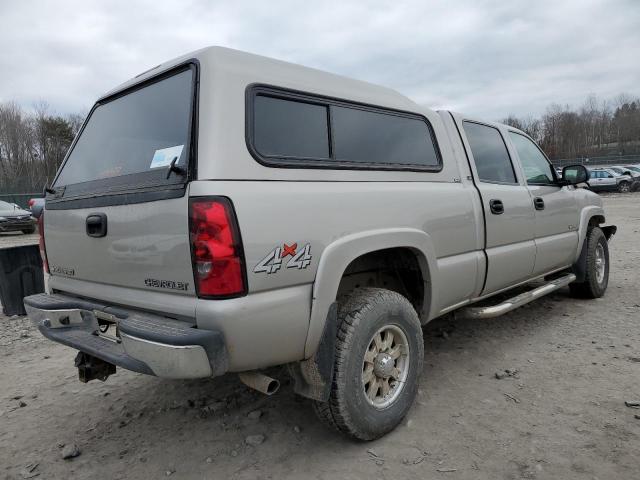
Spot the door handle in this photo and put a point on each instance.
(496, 206)
(97, 225)
(538, 203)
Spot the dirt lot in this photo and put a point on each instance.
(562, 416)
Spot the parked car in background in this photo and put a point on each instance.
(607, 179)
(633, 168)
(36, 205)
(622, 170)
(635, 176)
(15, 219)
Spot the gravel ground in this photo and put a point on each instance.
(561, 415)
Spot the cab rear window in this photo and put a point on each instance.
(130, 140)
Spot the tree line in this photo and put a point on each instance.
(595, 128)
(32, 146)
(33, 143)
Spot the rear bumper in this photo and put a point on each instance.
(145, 343)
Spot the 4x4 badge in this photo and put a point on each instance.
(300, 258)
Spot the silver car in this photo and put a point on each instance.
(607, 179)
(15, 219)
(635, 176)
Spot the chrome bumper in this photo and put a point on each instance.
(145, 343)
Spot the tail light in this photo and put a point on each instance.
(216, 248)
(43, 251)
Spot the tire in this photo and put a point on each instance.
(381, 327)
(597, 269)
(28, 231)
(624, 187)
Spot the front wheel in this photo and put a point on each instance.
(378, 360)
(624, 187)
(597, 268)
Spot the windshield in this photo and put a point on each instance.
(137, 133)
(6, 206)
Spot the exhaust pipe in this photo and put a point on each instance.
(260, 382)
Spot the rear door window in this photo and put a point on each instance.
(130, 140)
(490, 154)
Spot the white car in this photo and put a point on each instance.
(634, 174)
(607, 179)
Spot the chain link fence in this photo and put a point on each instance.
(598, 161)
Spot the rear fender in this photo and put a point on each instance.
(338, 255)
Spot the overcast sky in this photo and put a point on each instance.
(488, 58)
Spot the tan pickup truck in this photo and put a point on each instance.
(225, 212)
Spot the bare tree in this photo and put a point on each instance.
(32, 146)
(597, 127)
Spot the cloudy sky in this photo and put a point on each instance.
(488, 58)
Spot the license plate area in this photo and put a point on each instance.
(107, 326)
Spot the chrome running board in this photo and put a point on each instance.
(517, 301)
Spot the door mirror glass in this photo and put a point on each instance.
(575, 174)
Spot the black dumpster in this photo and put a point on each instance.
(20, 275)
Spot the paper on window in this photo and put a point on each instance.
(164, 156)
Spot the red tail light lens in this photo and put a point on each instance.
(43, 252)
(218, 261)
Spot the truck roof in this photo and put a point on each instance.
(244, 65)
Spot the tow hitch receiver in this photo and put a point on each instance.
(92, 368)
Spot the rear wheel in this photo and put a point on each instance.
(624, 187)
(378, 360)
(597, 268)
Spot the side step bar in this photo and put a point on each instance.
(517, 301)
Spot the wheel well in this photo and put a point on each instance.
(596, 220)
(397, 269)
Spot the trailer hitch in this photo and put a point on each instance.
(92, 368)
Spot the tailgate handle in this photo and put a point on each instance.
(97, 225)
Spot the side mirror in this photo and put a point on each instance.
(609, 176)
(575, 174)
